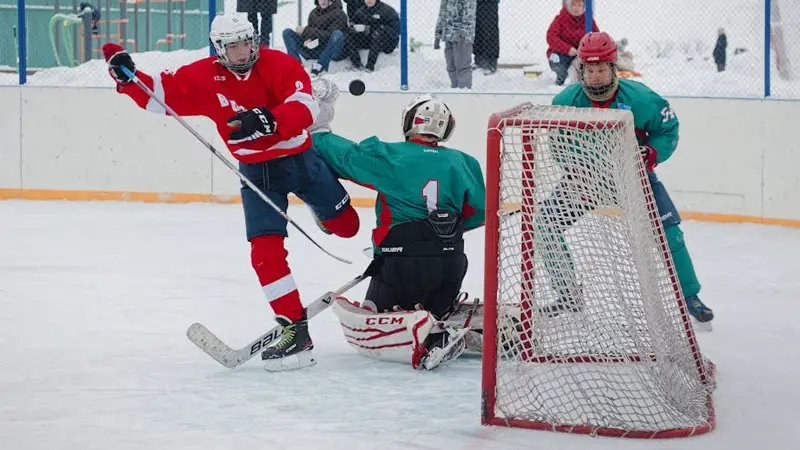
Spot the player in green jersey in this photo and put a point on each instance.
(656, 128)
(428, 195)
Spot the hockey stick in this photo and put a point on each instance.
(227, 163)
(231, 358)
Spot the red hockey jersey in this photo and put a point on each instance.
(206, 88)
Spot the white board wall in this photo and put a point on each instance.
(736, 157)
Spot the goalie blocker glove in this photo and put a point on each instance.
(117, 57)
(251, 125)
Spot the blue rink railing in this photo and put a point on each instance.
(403, 82)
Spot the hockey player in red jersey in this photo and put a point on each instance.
(262, 104)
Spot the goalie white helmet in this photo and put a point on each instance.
(232, 29)
(427, 115)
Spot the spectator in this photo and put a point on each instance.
(625, 57)
(375, 26)
(487, 36)
(322, 39)
(564, 35)
(720, 50)
(267, 8)
(95, 12)
(352, 7)
(456, 27)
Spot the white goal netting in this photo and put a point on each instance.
(601, 341)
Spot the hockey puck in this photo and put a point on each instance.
(357, 87)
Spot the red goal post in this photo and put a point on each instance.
(585, 329)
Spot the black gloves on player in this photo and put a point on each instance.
(117, 57)
(252, 124)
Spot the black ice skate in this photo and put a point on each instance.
(702, 314)
(293, 351)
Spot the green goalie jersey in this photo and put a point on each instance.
(655, 123)
(411, 179)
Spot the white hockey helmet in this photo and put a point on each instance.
(230, 29)
(428, 116)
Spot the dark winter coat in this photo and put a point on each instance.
(566, 31)
(352, 7)
(719, 49)
(379, 15)
(487, 31)
(323, 22)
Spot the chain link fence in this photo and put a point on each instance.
(65, 37)
(714, 48)
(9, 45)
(690, 48)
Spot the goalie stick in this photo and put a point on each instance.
(227, 163)
(231, 358)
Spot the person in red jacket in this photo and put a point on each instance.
(262, 103)
(564, 35)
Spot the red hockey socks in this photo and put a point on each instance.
(345, 224)
(268, 256)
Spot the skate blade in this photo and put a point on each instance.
(295, 362)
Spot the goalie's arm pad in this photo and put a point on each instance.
(395, 337)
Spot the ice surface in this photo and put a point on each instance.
(95, 298)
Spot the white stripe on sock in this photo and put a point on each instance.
(279, 288)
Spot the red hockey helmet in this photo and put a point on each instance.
(597, 48)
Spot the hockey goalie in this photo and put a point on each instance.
(428, 196)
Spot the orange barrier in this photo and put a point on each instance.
(156, 197)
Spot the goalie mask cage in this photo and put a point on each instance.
(585, 329)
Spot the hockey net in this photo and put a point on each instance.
(601, 341)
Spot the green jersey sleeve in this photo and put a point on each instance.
(348, 159)
(475, 202)
(661, 125)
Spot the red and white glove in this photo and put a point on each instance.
(116, 56)
(649, 156)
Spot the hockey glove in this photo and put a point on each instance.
(117, 57)
(325, 92)
(649, 156)
(251, 125)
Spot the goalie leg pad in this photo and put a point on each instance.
(389, 336)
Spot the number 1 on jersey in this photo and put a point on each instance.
(431, 193)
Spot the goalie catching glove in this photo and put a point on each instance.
(325, 93)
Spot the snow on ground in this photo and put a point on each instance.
(671, 43)
(95, 298)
